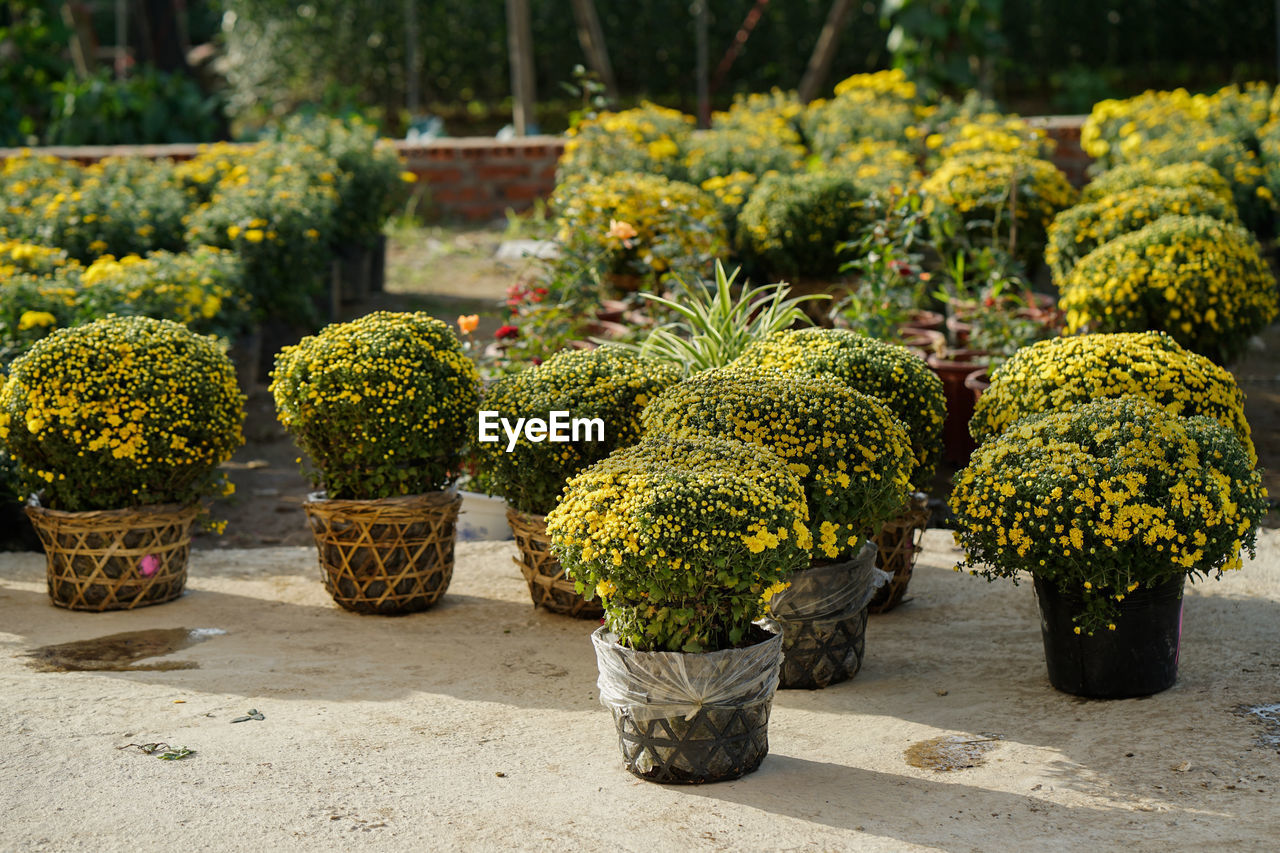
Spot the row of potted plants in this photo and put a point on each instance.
(283, 209)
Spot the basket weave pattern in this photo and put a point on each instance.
(387, 556)
(549, 586)
(715, 745)
(115, 559)
(899, 544)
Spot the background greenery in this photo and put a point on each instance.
(277, 56)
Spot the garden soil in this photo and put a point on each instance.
(476, 726)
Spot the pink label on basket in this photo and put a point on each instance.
(149, 565)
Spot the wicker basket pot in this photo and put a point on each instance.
(690, 718)
(387, 556)
(549, 586)
(823, 620)
(899, 545)
(115, 559)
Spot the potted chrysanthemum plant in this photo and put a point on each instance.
(118, 428)
(381, 406)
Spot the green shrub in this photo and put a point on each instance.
(683, 539)
(793, 224)
(606, 383)
(995, 191)
(644, 226)
(381, 405)
(891, 374)
(1200, 279)
(851, 455)
(121, 412)
(370, 181)
(1079, 230)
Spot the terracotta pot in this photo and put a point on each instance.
(977, 382)
(960, 330)
(611, 310)
(921, 319)
(923, 342)
(953, 369)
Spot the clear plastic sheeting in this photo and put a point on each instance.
(658, 685)
(828, 593)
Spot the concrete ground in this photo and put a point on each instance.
(476, 726)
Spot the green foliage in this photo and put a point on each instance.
(880, 107)
(33, 36)
(648, 139)
(715, 327)
(117, 206)
(891, 374)
(370, 177)
(1011, 197)
(382, 405)
(148, 106)
(851, 455)
(121, 412)
(1108, 497)
(945, 45)
(683, 539)
(274, 206)
(202, 289)
(793, 224)
(1200, 279)
(605, 383)
(641, 226)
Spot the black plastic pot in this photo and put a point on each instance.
(1138, 658)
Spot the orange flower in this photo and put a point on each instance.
(467, 323)
(622, 230)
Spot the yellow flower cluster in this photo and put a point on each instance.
(118, 205)
(1201, 280)
(18, 257)
(678, 227)
(607, 383)
(648, 139)
(1106, 497)
(1174, 176)
(877, 163)
(880, 106)
(1161, 128)
(851, 455)
(682, 538)
(773, 146)
(1064, 373)
(903, 383)
(1079, 230)
(381, 405)
(998, 188)
(122, 412)
(987, 132)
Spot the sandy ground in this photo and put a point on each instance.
(476, 726)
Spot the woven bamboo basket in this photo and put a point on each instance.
(549, 586)
(115, 559)
(386, 556)
(899, 544)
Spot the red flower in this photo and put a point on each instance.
(506, 331)
(536, 361)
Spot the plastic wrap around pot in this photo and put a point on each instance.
(657, 685)
(830, 592)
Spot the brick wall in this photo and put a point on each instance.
(479, 179)
(1068, 156)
